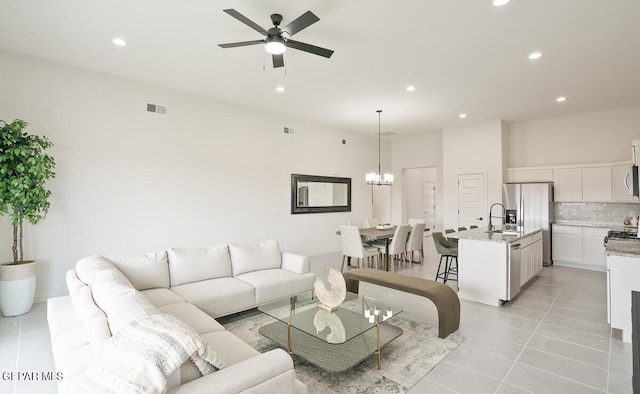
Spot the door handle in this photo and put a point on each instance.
(478, 218)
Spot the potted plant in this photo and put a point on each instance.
(25, 167)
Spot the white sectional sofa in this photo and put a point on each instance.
(106, 293)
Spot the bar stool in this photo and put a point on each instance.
(449, 251)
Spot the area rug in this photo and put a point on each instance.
(405, 360)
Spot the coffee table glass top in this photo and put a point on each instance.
(356, 315)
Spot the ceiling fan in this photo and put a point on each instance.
(277, 39)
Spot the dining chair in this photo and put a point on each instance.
(397, 248)
(371, 222)
(413, 221)
(414, 244)
(357, 223)
(353, 247)
(448, 251)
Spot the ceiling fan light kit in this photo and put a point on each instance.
(277, 40)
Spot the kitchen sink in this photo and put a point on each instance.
(504, 232)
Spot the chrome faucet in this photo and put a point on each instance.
(504, 215)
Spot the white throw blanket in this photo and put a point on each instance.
(140, 357)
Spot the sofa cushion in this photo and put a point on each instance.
(229, 347)
(194, 317)
(194, 265)
(162, 297)
(147, 271)
(275, 284)
(218, 297)
(248, 257)
(119, 300)
(88, 267)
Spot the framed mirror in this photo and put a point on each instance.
(317, 194)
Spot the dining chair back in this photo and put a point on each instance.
(413, 221)
(414, 243)
(357, 223)
(371, 222)
(398, 246)
(352, 246)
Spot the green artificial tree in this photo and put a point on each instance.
(25, 168)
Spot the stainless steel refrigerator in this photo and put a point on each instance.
(530, 206)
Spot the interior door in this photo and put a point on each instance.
(472, 202)
(429, 205)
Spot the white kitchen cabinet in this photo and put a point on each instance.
(567, 184)
(593, 250)
(537, 248)
(624, 277)
(567, 245)
(596, 184)
(524, 175)
(579, 247)
(619, 190)
(526, 259)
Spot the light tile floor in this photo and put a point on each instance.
(554, 338)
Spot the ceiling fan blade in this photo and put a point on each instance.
(241, 44)
(278, 61)
(302, 22)
(309, 48)
(246, 21)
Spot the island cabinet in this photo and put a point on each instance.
(493, 267)
(623, 277)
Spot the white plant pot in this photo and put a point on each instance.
(17, 288)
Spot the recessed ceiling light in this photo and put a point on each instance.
(462, 116)
(535, 55)
(119, 42)
(279, 89)
(500, 3)
(411, 88)
(561, 99)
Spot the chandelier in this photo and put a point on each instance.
(377, 178)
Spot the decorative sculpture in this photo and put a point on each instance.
(325, 319)
(333, 296)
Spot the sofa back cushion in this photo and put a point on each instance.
(93, 318)
(147, 271)
(119, 300)
(88, 267)
(194, 265)
(255, 256)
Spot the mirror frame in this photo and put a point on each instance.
(296, 178)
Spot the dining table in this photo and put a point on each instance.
(375, 234)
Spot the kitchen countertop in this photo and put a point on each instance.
(583, 224)
(623, 248)
(481, 234)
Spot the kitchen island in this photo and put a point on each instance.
(623, 277)
(493, 266)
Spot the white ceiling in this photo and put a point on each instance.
(461, 55)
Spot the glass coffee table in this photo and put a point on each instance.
(334, 341)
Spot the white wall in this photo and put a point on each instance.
(417, 152)
(131, 181)
(470, 149)
(598, 137)
(413, 180)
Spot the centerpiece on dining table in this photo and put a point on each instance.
(384, 226)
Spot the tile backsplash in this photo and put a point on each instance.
(605, 214)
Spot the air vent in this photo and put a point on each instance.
(159, 109)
